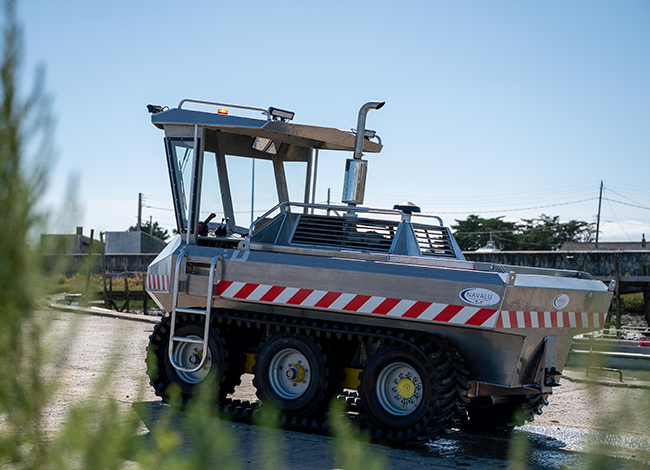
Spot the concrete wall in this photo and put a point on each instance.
(595, 262)
(132, 242)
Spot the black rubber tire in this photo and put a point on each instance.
(223, 376)
(319, 390)
(444, 392)
(381, 418)
(516, 411)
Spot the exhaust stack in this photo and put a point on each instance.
(354, 184)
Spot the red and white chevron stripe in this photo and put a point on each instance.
(392, 307)
(344, 302)
(511, 319)
(158, 282)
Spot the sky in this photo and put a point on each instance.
(494, 108)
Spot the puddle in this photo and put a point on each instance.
(549, 448)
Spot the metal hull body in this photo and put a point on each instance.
(501, 343)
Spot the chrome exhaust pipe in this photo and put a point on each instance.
(361, 126)
(354, 184)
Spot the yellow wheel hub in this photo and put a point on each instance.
(301, 373)
(406, 388)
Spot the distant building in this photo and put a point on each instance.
(490, 247)
(578, 246)
(132, 243)
(76, 244)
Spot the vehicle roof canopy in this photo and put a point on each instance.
(234, 135)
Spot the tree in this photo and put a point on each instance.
(540, 233)
(578, 231)
(544, 233)
(474, 233)
(548, 233)
(152, 229)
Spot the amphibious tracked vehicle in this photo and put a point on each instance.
(375, 306)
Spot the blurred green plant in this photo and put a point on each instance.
(23, 390)
(95, 433)
(351, 451)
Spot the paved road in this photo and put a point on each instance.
(582, 426)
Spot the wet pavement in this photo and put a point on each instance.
(570, 434)
(546, 447)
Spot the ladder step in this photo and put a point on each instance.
(199, 311)
(183, 339)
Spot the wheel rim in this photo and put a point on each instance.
(289, 373)
(188, 355)
(399, 388)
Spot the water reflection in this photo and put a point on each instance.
(549, 447)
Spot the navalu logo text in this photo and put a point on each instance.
(478, 296)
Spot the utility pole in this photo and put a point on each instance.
(151, 225)
(600, 200)
(139, 226)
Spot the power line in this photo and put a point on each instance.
(545, 194)
(521, 209)
(158, 208)
(628, 204)
(619, 224)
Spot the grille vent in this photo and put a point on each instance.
(345, 232)
(434, 241)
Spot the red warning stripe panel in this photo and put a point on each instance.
(272, 294)
(356, 303)
(300, 296)
(404, 308)
(386, 306)
(527, 321)
(578, 317)
(417, 309)
(158, 282)
(448, 313)
(328, 299)
(482, 316)
(222, 286)
(245, 291)
(590, 320)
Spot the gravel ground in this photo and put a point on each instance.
(581, 417)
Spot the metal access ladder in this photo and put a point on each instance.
(176, 309)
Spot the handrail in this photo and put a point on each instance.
(225, 105)
(367, 210)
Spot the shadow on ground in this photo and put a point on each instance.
(544, 447)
